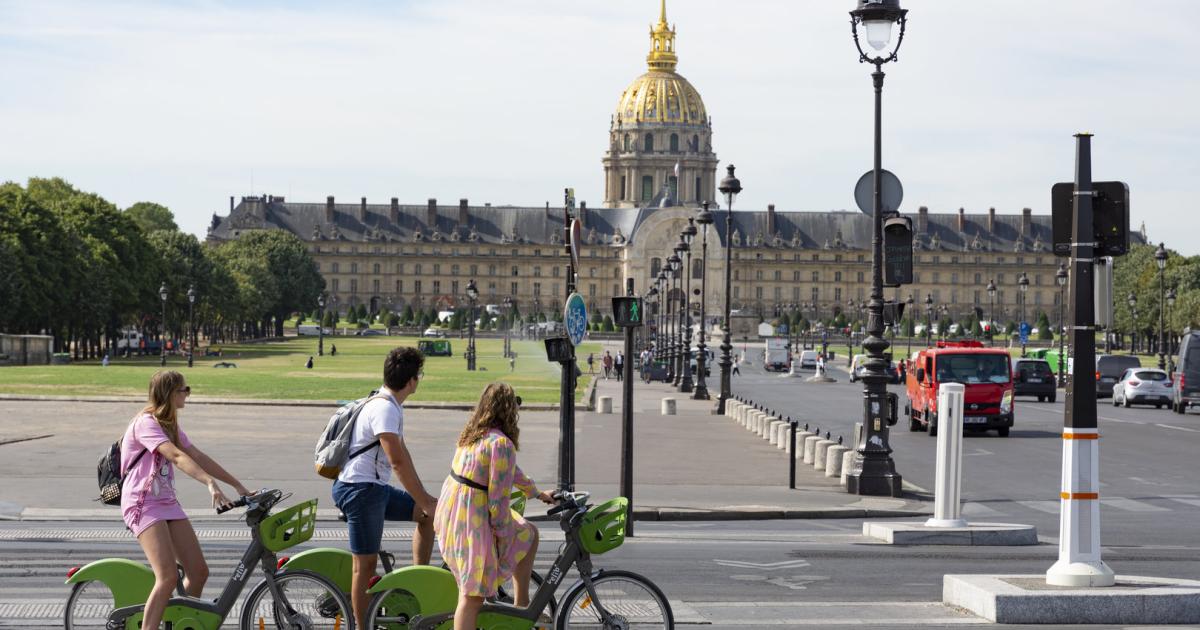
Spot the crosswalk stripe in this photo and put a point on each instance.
(1186, 499)
(1049, 507)
(979, 509)
(1130, 505)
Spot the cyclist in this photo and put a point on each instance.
(152, 447)
(483, 542)
(362, 491)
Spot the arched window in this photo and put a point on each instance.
(649, 143)
(696, 143)
(626, 143)
(674, 143)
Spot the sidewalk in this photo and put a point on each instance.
(691, 466)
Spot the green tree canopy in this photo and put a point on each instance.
(151, 216)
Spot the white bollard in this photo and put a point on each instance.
(833, 460)
(756, 417)
(605, 404)
(947, 484)
(731, 407)
(801, 436)
(778, 433)
(810, 448)
(822, 447)
(741, 412)
(847, 462)
(668, 406)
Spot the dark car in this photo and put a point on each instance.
(1034, 378)
(1185, 390)
(1109, 368)
(371, 332)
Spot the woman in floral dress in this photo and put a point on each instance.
(481, 539)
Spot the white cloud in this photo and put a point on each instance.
(509, 102)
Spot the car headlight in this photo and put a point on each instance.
(1006, 402)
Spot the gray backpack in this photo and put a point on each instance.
(333, 445)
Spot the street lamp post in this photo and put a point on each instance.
(472, 294)
(672, 346)
(705, 219)
(929, 319)
(1060, 276)
(991, 291)
(508, 304)
(321, 324)
(908, 306)
(1132, 300)
(1023, 284)
(191, 295)
(1160, 257)
(730, 187)
(686, 386)
(162, 344)
(1170, 311)
(873, 471)
(681, 304)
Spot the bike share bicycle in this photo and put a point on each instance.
(111, 593)
(608, 599)
(337, 565)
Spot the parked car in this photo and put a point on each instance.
(370, 332)
(1185, 392)
(986, 375)
(1034, 378)
(438, 348)
(1142, 386)
(433, 332)
(1109, 368)
(808, 360)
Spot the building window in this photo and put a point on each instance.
(437, 287)
(454, 287)
(592, 290)
(737, 292)
(491, 270)
(353, 286)
(837, 276)
(816, 257)
(778, 294)
(737, 274)
(816, 276)
(515, 271)
(353, 267)
(674, 143)
(778, 275)
(648, 143)
(417, 269)
(626, 145)
(647, 187)
(474, 270)
(860, 276)
(399, 267)
(335, 285)
(417, 287)
(616, 290)
(335, 267)
(796, 276)
(537, 288)
(399, 287)
(758, 274)
(537, 272)
(454, 270)
(758, 293)
(796, 293)
(375, 269)
(837, 294)
(375, 286)
(622, 197)
(557, 270)
(673, 186)
(437, 269)
(513, 289)
(816, 295)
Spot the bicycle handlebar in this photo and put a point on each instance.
(241, 502)
(251, 500)
(568, 500)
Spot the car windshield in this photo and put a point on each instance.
(972, 368)
(1150, 376)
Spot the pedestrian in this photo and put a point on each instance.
(737, 371)
(619, 365)
(607, 362)
(308, 364)
(643, 364)
(153, 446)
(483, 542)
(512, 362)
(362, 491)
(333, 349)
(821, 364)
(104, 361)
(592, 363)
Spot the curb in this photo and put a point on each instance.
(267, 402)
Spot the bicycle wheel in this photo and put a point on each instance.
(623, 600)
(88, 606)
(391, 610)
(311, 601)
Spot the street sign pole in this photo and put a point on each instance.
(566, 399)
(1079, 563)
(630, 311)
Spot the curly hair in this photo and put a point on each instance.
(161, 405)
(498, 408)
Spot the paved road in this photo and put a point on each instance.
(721, 575)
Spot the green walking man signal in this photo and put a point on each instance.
(627, 311)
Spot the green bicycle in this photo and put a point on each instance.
(112, 592)
(608, 599)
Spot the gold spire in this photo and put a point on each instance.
(662, 43)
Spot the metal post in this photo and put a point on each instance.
(321, 325)
(1162, 314)
(1062, 336)
(1079, 562)
(702, 360)
(566, 397)
(686, 384)
(162, 344)
(873, 472)
(792, 454)
(191, 324)
(728, 188)
(627, 421)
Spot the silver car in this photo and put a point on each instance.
(1143, 386)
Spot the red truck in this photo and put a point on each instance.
(986, 374)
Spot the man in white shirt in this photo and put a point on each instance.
(362, 491)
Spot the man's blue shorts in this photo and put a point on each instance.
(366, 506)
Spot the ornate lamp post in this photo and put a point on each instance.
(908, 306)
(1171, 308)
(1023, 284)
(1060, 277)
(191, 295)
(660, 335)
(929, 319)
(991, 291)
(705, 219)
(508, 304)
(162, 346)
(472, 294)
(730, 187)
(321, 324)
(1132, 300)
(681, 303)
(672, 346)
(1160, 258)
(873, 472)
(686, 386)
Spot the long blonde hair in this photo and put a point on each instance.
(497, 409)
(161, 403)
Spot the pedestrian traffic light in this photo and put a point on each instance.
(1110, 217)
(559, 350)
(897, 251)
(628, 311)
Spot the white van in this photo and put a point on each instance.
(311, 330)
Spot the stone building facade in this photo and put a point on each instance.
(395, 255)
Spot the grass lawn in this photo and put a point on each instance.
(276, 370)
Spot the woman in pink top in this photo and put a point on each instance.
(153, 446)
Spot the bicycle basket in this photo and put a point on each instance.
(289, 527)
(603, 527)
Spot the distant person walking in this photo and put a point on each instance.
(333, 350)
(592, 363)
(608, 364)
(309, 363)
(619, 363)
(644, 364)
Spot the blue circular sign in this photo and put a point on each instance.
(575, 319)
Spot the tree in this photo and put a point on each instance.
(407, 317)
(608, 325)
(151, 216)
(296, 279)
(1045, 332)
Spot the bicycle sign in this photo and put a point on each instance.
(575, 319)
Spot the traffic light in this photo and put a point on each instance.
(1110, 217)
(628, 311)
(897, 251)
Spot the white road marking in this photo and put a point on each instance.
(978, 451)
(1049, 507)
(1168, 426)
(1118, 420)
(763, 566)
(1129, 505)
(979, 509)
(1186, 499)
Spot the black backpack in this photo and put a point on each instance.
(108, 474)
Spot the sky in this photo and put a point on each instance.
(186, 103)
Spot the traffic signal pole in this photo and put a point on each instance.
(627, 411)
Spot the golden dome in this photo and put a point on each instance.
(661, 95)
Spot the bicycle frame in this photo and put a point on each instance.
(131, 582)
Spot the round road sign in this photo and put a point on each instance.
(575, 319)
(891, 195)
